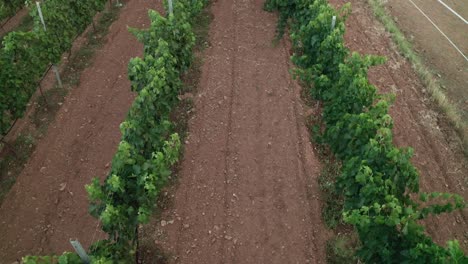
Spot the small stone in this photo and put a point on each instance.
(186, 225)
(63, 186)
(163, 223)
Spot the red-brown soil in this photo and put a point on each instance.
(48, 204)
(418, 123)
(248, 190)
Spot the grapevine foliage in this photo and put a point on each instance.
(8, 8)
(25, 56)
(149, 147)
(66, 258)
(377, 180)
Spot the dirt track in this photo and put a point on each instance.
(48, 204)
(248, 189)
(436, 50)
(418, 124)
(248, 184)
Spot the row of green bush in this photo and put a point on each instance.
(25, 56)
(8, 8)
(149, 146)
(378, 181)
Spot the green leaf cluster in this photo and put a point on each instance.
(25, 56)
(377, 180)
(65, 258)
(149, 147)
(8, 8)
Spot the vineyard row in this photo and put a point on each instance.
(377, 180)
(149, 146)
(25, 56)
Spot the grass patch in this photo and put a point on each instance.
(433, 86)
(332, 209)
(201, 29)
(25, 25)
(333, 202)
(12, 160)
(14, 155)
(47, 105)
(342, 249)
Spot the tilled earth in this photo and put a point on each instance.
(248, 189)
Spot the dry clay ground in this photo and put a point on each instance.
(48, 204)
(248, 185)
(247, 190)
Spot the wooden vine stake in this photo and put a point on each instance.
(54, 67)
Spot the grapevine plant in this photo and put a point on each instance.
(25, 56)
(378, 181)
(8, 8)
(149, 146)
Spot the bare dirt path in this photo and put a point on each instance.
(48, 204)
(438, 154)
(248, 183)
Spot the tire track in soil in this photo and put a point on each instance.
(48, 204)
(437, 152)
(247, 190)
